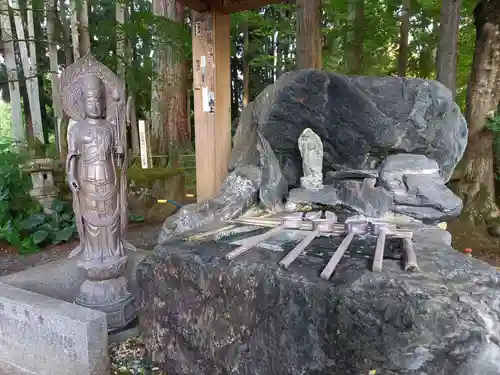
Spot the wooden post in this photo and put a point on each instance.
(212, 100)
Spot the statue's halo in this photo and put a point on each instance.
(71, 88)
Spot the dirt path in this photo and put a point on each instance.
(483, 246)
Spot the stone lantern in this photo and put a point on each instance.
(44, 190)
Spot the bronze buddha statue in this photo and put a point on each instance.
(96, 145)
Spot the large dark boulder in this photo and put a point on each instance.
(360, 120)
(201, 315)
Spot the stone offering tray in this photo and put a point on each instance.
(328, 227)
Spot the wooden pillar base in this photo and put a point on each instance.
(212, 100)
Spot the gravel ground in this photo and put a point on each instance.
(130, 358)
(144, 237)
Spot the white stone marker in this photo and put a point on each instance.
(144, 145)
(45, 336)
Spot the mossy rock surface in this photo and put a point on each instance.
(146, 177)
(140, 177)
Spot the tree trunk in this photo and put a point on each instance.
(130, 59)
(426, 62)
(27, 114)
(177, 133)
(309, 34)
(235, 92)
(159, 145)
(279, 55)
(355, 38)
(54, 67)
(84, 27)
(123, 58)
(168, 96)
(447, 53)
(477, 185)
(62, 15)
(403, 38)
(75, 34)
(120, 40)
(30, 68)
(246, 66)
(189, 98)
(18, 131)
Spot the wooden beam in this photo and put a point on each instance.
(233, 6)
(212, 100)
(197, 5)
(228, 6)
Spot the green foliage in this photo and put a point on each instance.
(23, 224)
(146, 177)
(493, 123)
(36, 148)
(14, 185)
(54, 228)
(5, 120)
(272, 29)
(272, 49)
(135, 218)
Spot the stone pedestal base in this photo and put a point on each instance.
(118, 315)
(309, 183)
(111, 297)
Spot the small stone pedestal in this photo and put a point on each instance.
(105, 289)
(44, 189)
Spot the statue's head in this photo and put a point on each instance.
(94, 94)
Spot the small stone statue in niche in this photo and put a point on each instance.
(93, 95)
(311, 150)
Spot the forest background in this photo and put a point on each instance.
(148, 44)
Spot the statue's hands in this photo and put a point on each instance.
(73, 184)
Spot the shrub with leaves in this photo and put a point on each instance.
(23, 224)
(44, 229)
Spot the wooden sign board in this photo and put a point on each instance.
(144, 145)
